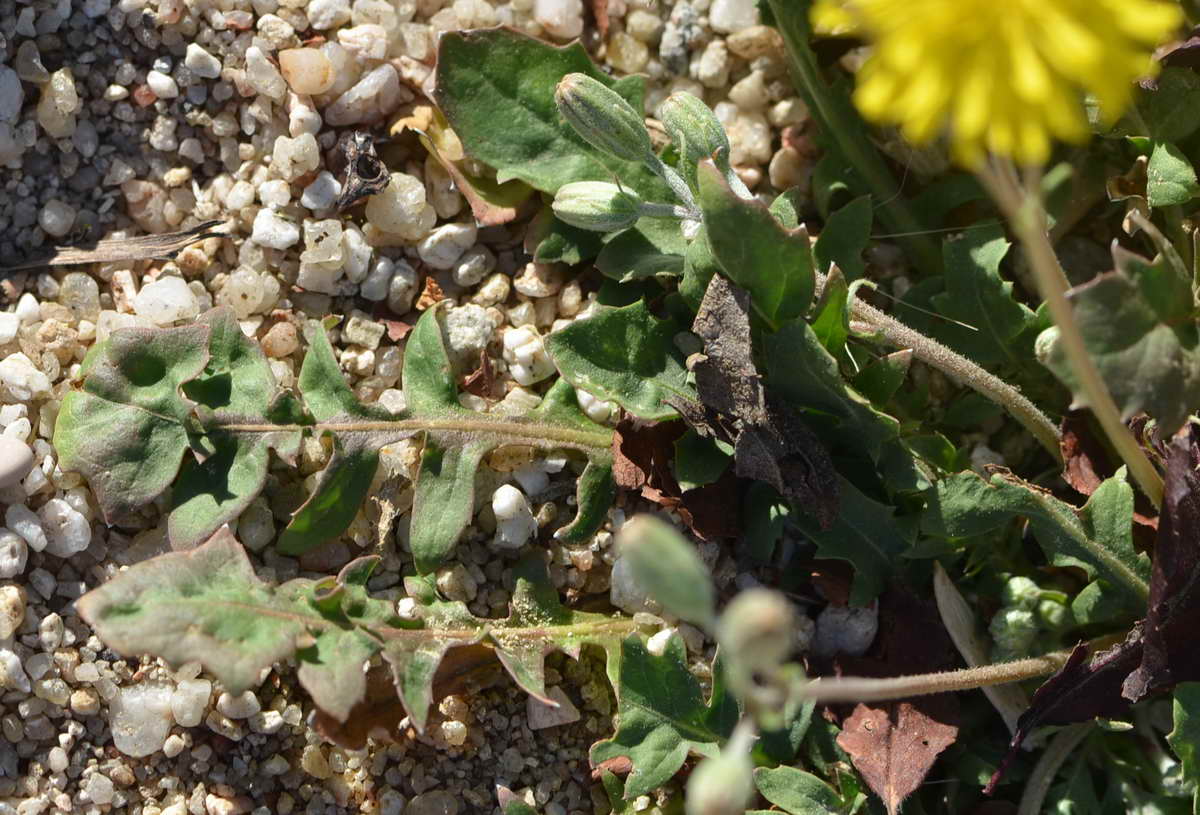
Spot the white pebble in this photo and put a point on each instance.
(728, 16)
(514, 520)
(16, 460)
(327, 14)
(273, 231)
(374, 96)
(68, 531)
(99, 789)
(306, 70)
(14, 553)
(238, 707)
(56, 218)
(845, 630)
(321, 193)
(12, 673)
(189, 701)
(442, 248)
(526, 356)
(562, 19)
(657, 644)
(202, 63)
(624, 592)
(22, 520)
(140, 718)
(10, 323)
(166, 300)
(162, 85)
(375, 285)
(263, 76)
(275, 194)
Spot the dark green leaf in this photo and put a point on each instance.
(797, 792)
(1185, 738)
(1170, 177)
(626, 355)
(764, 515)
(556, 242)
(496, 88)
(844, 238)
(651, 247)
(699, 460)
(831, 322)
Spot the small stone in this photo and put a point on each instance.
(99, 789)
(754, 42)
(541, 715)
(402, 288)
(12, 672)
(643, 25)
(140, 718)
(12, 96)
(172, 747)
(12, 610)
(374, 96)
(322, 193)
(526, 356)
(313, 762)
(280, 341)
(87, 672)
(432, 803)
(189, 700)
(366, 41)
(750, 92)
(242, 706)
(846, 630)
(379, 277)
(275, 194)
(401, 208)
(473, 265)
(162, 85)
(22, 520)
(202, 63)
(14, 553)
(262, 76)
(538, 280)
(16, 460)
(166, 300)
(273, 231)
(468, 329)
(292, 158)
(442, 248)
(711, 68)
(68, 531)
(56, 218)
(627, 54)
(85, 702)
(306, 70)
(625, 594)
(561, 19)
(367, 333)
(728, 16)
(10, 323)
(515, 523)
(326, 14)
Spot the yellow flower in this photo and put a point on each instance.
(1005, 76)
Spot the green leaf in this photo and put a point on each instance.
(699, 266)
(868, 535)
(844, 238)
(880, 380)
(136, 383)
(651, 247)
(1170, 177)
(1185, 737)
(797, 792)
(699, 460)
(666, 567)
(757, 253)
(625, 355)
(1172, 110)
(831, 322)
(978, 296)
(556, 242)
(662, 716)
(1131, 322)
(496, 88)
(764, 515)
(1097, 538)
(208, 605)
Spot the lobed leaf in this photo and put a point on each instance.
(208, 605)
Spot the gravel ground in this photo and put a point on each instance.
(149, 116)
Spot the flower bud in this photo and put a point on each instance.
(757, 632)
(1013, 631)
(694, 129)
(596, 205)
(1020, 592)
(603, 118)
(1054, 615)
(721, 785)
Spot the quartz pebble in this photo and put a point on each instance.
(201, 63)
(16, 459)
(14, 553)
(99, 789)
(166, 300)
(67, 530)
(12, 96)
(326, 14)
(273, 230)
(442, 248)
(728, 16)
(526, 356)
(22, 520)
(12, 610)
(140, 718)
(374, 96)
(401, 208)
(162, 85)
(541, 715)
(438, 802)
(189, 700)
(306, 70)
(242, 706)
(514, 520)
(562, 19)
(263, 76)
(56, 218)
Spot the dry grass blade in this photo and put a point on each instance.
(110, 250)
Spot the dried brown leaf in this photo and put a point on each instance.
(430, 294)
(115, 250)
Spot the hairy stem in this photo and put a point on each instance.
(1027, 216)
(936, 355)
(840, 122)
(510, 431)
(1057, 751)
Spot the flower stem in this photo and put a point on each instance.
(1025, 213)
(834, 112)
(936, 355)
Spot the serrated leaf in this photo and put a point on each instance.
(489, 76)
(1130, 322)
(208, 605)
(797, 792)
(625, 355)
(978, 296)
(755, 251)
(1097, 538)
(844, 238)
(1170, 177)
(137, 381)
(662, 716)
(666, 567)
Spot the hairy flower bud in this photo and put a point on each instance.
(757, 631)
(596, 205)
(721, 785)
(693, 127)
(603, 118)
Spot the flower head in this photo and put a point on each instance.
(1005, 76)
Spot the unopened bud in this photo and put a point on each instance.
(721, 785)
(596, 206)
(603, 118)
(757, 632)
(694, 129)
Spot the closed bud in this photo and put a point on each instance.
(721, 785)
(757, 632)
(596, 205)
(694, 129)
(603, 118)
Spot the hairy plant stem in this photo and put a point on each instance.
(512, 432)
(1057, 751)
(865, 689)
(1023, 208)
(833, 110)
(955, 365)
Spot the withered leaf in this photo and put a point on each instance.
(895, 744)
(771, 442)
(431, 293)
(482, 381)
(113, 250)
